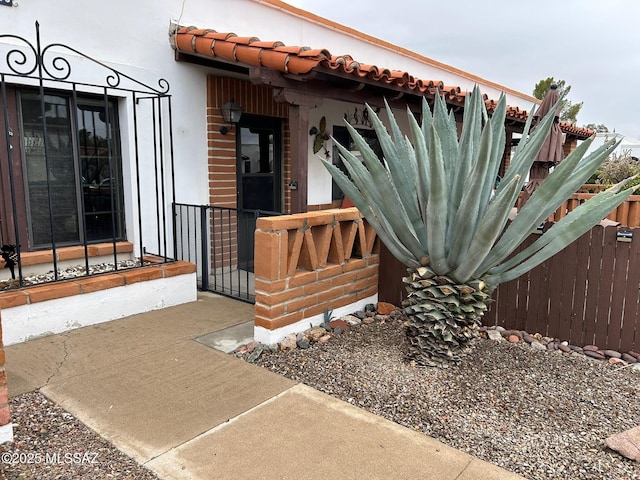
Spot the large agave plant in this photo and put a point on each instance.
(434, 204)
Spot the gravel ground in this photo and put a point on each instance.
(50, 444)
(541, 414)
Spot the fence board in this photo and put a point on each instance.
(593, 285)
(581, 291)
(629, 333)
(566, 289)
(606, 282)
(621, 266)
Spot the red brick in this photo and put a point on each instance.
(330, 295)
(301, 303)
(323, 217)
(367, 272)
(366, 293)
(100, 282)
(5, 415)
(141, 274)
(270, 262)
(329, 271)
(180, 267)
(270, 287)
(283, 321)
(4, 396)
(303, 278)
(285, 222)
(2, 357)
(373, 259)
(52, 290)
(344, 301)
(285, 296)
(344, 279)
(355, 264)
(314, 310)
(13, 299)
(267, 311)
(317, 287)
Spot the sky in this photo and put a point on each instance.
(594, 45)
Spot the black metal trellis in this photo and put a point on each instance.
(50, 68)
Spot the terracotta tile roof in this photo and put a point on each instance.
(297, 60)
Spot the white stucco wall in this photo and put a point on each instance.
(134, 38)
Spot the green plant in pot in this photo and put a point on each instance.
(434, 204)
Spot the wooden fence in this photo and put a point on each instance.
(627, 214)
(586, 294)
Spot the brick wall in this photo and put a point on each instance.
(309, 263)
(6, 429)
(255, 100)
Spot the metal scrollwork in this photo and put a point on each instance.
(57, 67)
(16, 59)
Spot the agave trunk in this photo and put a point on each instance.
(443, 316)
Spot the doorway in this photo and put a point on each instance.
(259, 177)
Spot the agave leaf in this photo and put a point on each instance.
(497, 152)
(399, 170)
(526, 155)
(447, 135)
(491, 226)
(555, 189)
(385, 232)
(437, 207)
(375, 186)
(422, 165)
(466, 219)
(469, 144)
(567, 230)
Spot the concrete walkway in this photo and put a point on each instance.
(189, 411)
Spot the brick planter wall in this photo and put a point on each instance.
(6, 428)
(308, 263)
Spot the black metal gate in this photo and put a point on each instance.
(220, 241)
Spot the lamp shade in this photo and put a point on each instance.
(231, 112)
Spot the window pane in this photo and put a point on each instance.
(61, 192)
(100, 166)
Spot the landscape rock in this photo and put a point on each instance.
(256, 352)
(590, 348)
(324, 339)
(494, 335)
(251, 346)
(513, 338)
(594, 354)
(368, 320)
(352, 320)
(626, 443)
(629, 358)
(289, 342)
(314, 333)
(617, 361)
(385, 308)
(538, 346)
(303, 344)
(338, 324)
(612, 354)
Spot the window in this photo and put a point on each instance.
(72, 168)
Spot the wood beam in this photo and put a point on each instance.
(299, 123)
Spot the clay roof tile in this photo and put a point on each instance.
(300, 60)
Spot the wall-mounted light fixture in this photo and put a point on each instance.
(231, 113)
